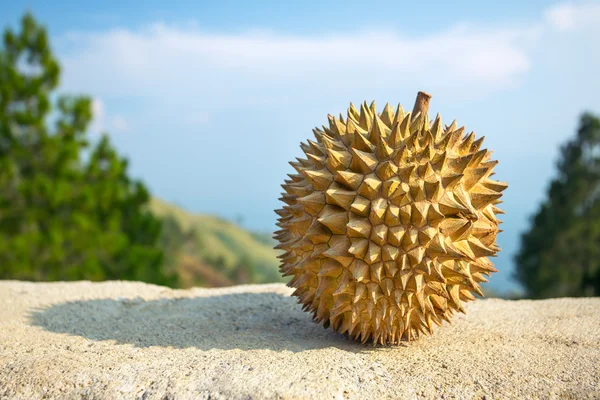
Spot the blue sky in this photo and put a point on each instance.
(209, 100)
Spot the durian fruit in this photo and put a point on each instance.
(389, 222)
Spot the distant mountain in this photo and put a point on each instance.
(205, 250)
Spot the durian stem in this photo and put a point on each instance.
(421, 105)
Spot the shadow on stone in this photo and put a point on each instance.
(246, 321)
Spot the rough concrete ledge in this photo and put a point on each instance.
(128, 340)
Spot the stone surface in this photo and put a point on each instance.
(119, 340)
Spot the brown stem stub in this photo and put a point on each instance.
(421, 104)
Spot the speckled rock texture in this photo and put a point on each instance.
(128, 340)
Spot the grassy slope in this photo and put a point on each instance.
(221, 245)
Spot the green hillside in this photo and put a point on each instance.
(209, 251)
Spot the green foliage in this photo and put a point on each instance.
(63, 217)
(560, 254)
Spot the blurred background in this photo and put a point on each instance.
(148, 141)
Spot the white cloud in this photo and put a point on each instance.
(166, 61)
(120, 124)
(177, 65)
(102, 122)
(99, 116)
(571, 16)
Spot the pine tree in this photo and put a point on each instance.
(560, 253)
(63, 217)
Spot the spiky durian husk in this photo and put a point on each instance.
(388, 223)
